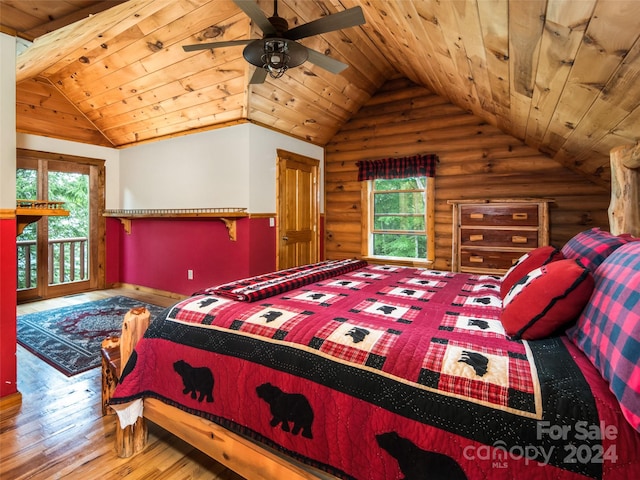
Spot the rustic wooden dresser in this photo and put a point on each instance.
(490, 235)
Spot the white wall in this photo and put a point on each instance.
(228, 167)
(201, 170)
(262, 158)
(7, 122)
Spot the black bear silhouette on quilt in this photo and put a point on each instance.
(287, 408)
(196, 380)
(475, 360)
(418, 464)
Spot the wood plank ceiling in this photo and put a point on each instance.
(560, 75)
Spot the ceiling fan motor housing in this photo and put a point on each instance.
(280, 24)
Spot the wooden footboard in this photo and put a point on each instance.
(235, 452)
(240, 454)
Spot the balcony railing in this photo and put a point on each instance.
(67, 261)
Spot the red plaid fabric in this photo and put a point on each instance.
(608, 331)
(279, 322)
(198, 308)
(470, 380)
(481, 325)
(593, 246)
(269, 284)
(332, 340)
(366, 327)
(414, 166)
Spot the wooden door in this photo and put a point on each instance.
(51, 261)
(297, 206)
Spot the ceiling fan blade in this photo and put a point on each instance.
(258, 76)
(251, 8)
(330, 64)
(345, 19)
(206, 46)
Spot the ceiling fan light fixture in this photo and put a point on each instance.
(275, 59)
(276, 55)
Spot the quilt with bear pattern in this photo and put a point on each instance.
(387, 372)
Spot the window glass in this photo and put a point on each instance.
(398, 213)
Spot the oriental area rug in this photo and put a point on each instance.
(69, 338)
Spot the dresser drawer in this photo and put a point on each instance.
(488, 259)
(498, 238)
(499, 215)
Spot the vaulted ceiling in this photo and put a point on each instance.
(560, 75)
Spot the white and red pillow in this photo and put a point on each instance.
(529, 261)
(546, 299)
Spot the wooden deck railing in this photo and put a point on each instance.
(67, 261)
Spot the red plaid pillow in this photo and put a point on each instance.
(545, 299)
(608, 331)
(526, 263)
(593, 246)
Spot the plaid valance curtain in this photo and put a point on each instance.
(413, 166)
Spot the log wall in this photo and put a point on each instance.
(477, 160)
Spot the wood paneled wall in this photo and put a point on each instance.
(476, 161)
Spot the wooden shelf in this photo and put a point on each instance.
(226, 215)
(30, 211)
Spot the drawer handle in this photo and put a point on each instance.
(520, 216)
(476, 238)
(476, 259)
(476, 216)
(518, 239)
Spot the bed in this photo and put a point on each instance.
(345, 369)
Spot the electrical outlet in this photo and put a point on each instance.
(189, 274)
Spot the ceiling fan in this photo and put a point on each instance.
(278, 50)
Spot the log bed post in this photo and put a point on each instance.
(132, 439)
(624, 209)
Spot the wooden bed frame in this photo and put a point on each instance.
(253, 461)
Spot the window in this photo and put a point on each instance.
(399, 218)
(398, 208)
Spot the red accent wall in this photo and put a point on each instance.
(8, 301)
(159, 251)
(112, 240)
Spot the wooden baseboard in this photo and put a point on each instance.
(10, 401)
(153, 291)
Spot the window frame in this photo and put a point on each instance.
(366, 194)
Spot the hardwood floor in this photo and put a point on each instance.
(59, 431)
